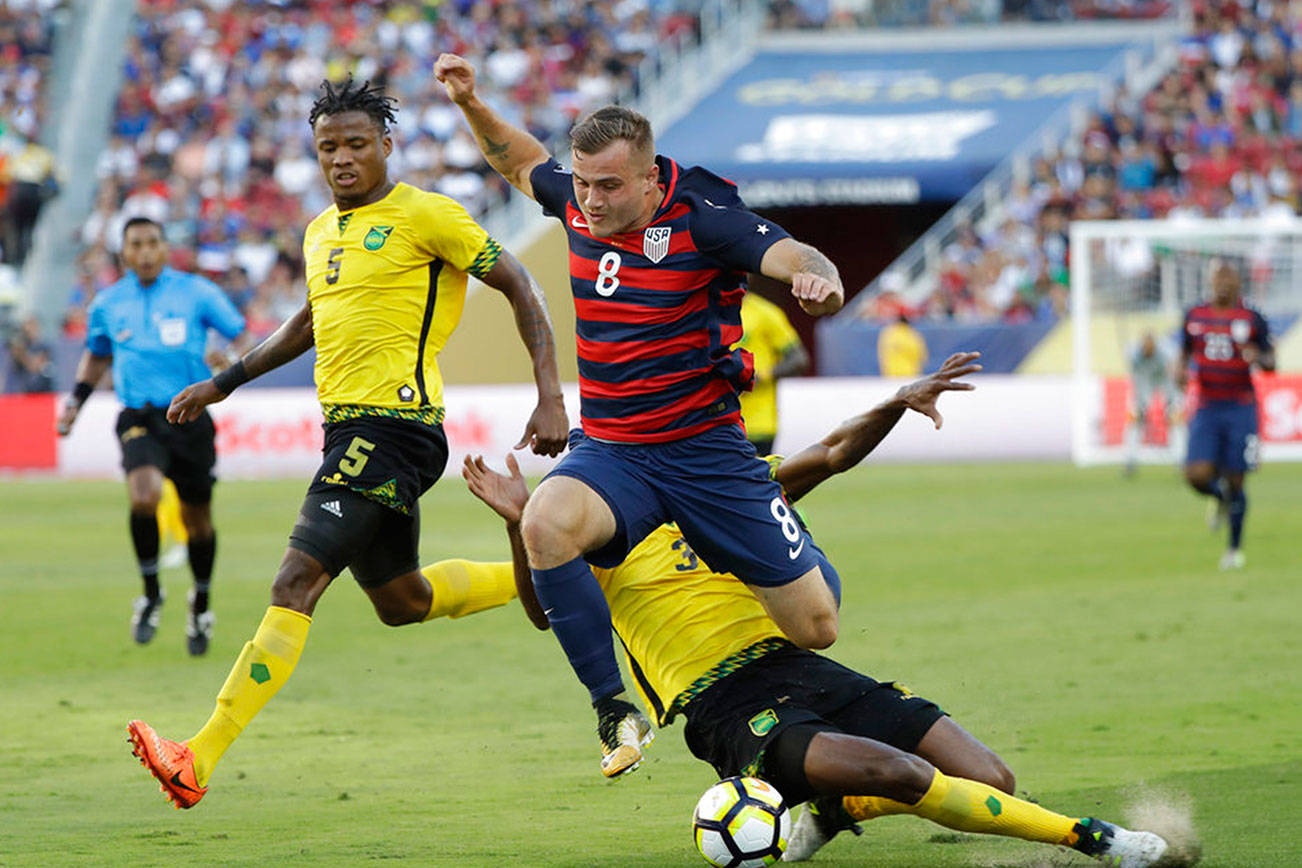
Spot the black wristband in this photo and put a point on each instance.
(81, 392)
(234, 376)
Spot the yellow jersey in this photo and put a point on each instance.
(387, 284)
(901, 351)
(683, 626)
(768, 335)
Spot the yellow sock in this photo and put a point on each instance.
(262, 669)
(171, 529)
(969, 806)
(465, 587)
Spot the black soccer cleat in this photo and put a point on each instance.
(144, 617)
(198, 630)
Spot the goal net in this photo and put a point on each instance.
(1131, 278)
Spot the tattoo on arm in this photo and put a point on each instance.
(813, 261)
(493, 150)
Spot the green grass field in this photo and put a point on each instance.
(1075, 622)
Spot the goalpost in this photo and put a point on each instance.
(1132, 277)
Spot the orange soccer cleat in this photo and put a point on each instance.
(171, 762)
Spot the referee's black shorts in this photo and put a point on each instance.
(361, 510)
(186, 454)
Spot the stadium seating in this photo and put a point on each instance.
(1217, 137)
(26, 39)
(210, 134)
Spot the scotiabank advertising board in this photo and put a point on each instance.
(1279, 403)
(276, 433)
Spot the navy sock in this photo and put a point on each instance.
(1238, 509)
(580, 617)
(202, 554)
(144, 536)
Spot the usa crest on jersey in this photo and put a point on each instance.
(655, 242)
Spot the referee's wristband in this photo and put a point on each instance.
(231, 378)
(81, 392)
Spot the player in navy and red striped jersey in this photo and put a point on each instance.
(1222, 342)
(658, 261)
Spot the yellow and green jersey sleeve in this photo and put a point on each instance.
(387, 284)
(683, 626)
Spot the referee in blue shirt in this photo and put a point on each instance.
(152, 327)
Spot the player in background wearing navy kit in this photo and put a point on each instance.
(658, 261)
(1222, 342)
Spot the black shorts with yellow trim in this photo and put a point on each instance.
(361, 510)
(732, 722)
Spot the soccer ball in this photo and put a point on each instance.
(741, 823)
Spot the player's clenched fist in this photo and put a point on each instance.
(817, 295)
(457, 75)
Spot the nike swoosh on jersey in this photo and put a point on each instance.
(795, 552)
(578, 222)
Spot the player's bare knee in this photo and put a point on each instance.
(398, 616)
(549, 538)
(299, 583)
(904, 777)
(996, 773)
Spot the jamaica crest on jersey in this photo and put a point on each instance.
(655, 242)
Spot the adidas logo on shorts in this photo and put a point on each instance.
(332, 507)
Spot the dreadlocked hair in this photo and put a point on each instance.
(348, 96)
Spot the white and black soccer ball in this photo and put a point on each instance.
(741, 823)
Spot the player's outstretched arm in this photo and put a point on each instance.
(852, 440)
(814, 280)
(510, 150)
(90, 370)
(286, 343)
(548, 426)
(507, 495)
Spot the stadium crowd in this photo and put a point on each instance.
(855, 14)
(1219, 136)
(210, 135)
(27, 178)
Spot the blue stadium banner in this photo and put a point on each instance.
(810, 127)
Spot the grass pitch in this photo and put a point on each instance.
(1075, 622)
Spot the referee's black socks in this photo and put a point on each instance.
(144, 536)
(202, 554)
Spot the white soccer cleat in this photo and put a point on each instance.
(145, 612)
(820, 822)
(1127, 849)
(1233, 559)
(806, 837)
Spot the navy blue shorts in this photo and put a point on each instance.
(1224, 433)
(713, 485)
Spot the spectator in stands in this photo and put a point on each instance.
(31, 182)
(208, 137)
(31, 360)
